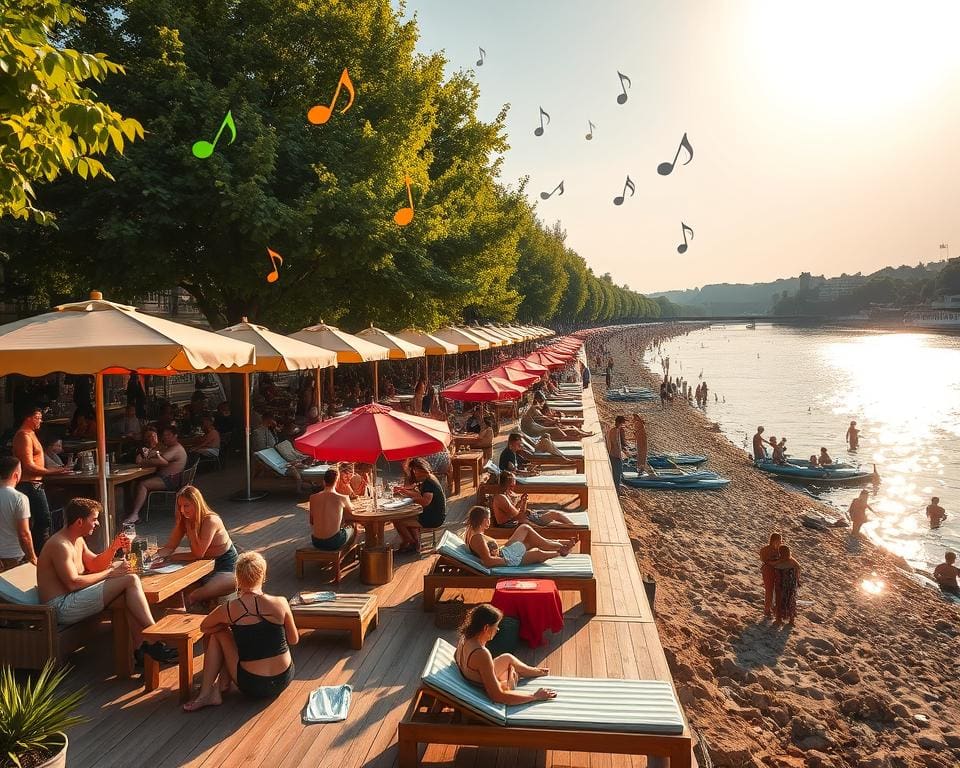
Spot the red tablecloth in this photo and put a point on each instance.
(538, 609)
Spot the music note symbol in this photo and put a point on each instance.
(274, 258)
(665, 169)
(405, 215)
(539, 131)
(480, 60)
(589, 136)
(618, 200)
(622, 98)
(320, 113)
(203, 149)
(682, 248)
(547, 195)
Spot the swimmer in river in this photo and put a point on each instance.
(858, 511)
(813, 461)
(825, 460)
(935, 513)
(853, 436)
(946, 574)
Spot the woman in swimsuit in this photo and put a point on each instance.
(524, 547)
(497, 676)
(208, 540)
(510, 509)
(248, 640)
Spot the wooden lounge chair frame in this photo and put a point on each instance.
(434, 718)
(582, 492)
(448, 573)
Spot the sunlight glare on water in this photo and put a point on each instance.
(903, 389)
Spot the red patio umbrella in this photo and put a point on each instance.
(482, 388)
(517, 376)
(547, 359)
(522, 364)
(372, 431)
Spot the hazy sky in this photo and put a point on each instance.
(826, 135)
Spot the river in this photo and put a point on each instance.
(806, 384)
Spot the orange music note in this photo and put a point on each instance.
(405, 215)
(274, 258)
(320, 113)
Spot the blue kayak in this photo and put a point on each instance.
(806, 464)
(666, 460)
(652, 481)
(677, 476)
(828, 474)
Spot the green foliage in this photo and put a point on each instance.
(33, 714)
(948, 281)
(50, 122)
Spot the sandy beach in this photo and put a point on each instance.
(864, 680)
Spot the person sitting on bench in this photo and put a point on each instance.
(327, 531)
(510, 509)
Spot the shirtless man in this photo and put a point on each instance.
(535, 424)
(824, 460)
(759, 449)
(640, 442)
(858, 511)
(935, 513)
(946, 574)
(170, 460)
(853, 436)
(327, 531)
(616, 442)
(27, 448)
(79, 584)
(779, 449)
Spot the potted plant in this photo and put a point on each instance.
(34, 717)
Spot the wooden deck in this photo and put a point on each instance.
(128, 727)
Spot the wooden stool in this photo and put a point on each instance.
(469, 460)
(334, 560)
(181, 631)
(356, 614)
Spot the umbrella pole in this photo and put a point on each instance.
(106, 527)
(318, 393)
(376, 381)
(248, 494)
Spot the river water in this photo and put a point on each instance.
(805, 384)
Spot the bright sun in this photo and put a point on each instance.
(846, 56)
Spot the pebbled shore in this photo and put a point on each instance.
(862, 680)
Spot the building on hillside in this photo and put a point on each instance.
(836, 287)
(948, 302)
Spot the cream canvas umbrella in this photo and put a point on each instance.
(275, 352)
(349, 348)
(399, 349)
(464, 340)
(97, 337)
(491, 338)
(433, 345)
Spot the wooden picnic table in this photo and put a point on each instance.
(374, 522)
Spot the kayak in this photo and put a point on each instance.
(677, 476)
(654, 482)
(828, 474)
(806, 464)
(664, 460)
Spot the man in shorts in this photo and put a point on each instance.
(170, 459)
(327, 507)
(80, 584)
(946, 574)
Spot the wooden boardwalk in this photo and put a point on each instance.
(129, 727)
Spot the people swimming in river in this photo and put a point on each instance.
(759, 449)
(858, 511)
(853, 436)
(935, 513)
(824, 460)
(946, 574)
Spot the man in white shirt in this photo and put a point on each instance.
(16, 541)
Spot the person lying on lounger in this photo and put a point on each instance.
(510, 508)
(524, 547)
(497, 676)
(535, 424)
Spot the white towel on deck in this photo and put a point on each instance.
(328, 704)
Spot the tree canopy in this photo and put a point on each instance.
(323, 196)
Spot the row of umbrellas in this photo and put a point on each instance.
(99, 337)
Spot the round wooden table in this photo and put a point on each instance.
(374, 522)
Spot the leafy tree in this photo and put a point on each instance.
(948, 281)
(49, 121)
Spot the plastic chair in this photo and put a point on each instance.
(168, 498)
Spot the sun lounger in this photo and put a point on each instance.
(610, 716)
(458, 568)
(547, 485)
(571, 457)
(271, 458)
(579, 530)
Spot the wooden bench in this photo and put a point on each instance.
(180, 631)
(334, 560)
(356, 614)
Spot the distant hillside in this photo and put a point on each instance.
(759, 298)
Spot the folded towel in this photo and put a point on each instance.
(328, 704)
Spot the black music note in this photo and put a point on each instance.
(682, 248)
(480, 60)
(618, 200)
(589, 136)
(547, 195)
(539, 131)
(622, 98)
(665, 169)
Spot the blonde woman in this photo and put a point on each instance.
(208, 539)
(248, 640)
(524, 547)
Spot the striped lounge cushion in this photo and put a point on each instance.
(442, 674)
(571, 566)
(542, 480)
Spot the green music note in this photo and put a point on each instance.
(203, 149)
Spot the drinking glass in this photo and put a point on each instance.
(130, 532)
(151, 550)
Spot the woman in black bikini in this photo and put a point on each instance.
(497, 676)
(248, 640)
(208, 539)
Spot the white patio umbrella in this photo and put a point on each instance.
(433, 345)
(400, 349)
